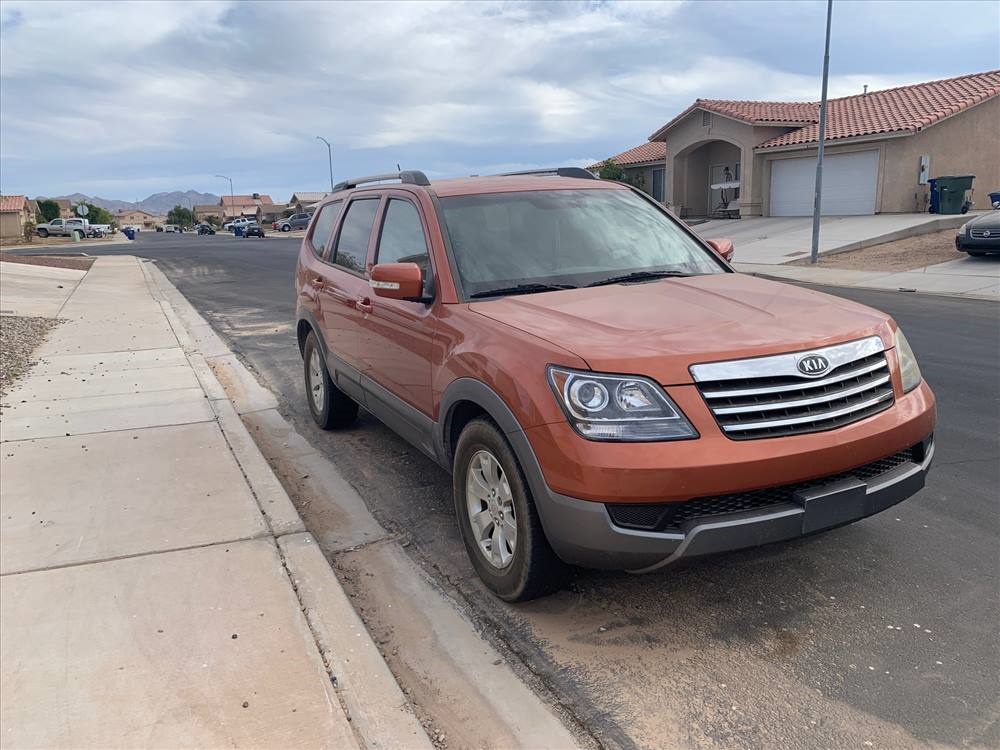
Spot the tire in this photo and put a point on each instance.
(330, 407)
(43, 233)
(518, 571)
(286, 227)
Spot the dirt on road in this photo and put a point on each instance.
(900, 255)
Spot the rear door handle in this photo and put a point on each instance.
(364, 304)
(318, 282)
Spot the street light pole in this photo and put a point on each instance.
(822, 138)
(329, 156)
(232, 198)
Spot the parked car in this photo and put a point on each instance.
(253, 229)
(295, 221)
(170, 228)
(62, 228)
(980, 236)
(205, 229)
(604, 388)
(230, 225)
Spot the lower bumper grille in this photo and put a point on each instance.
(671, 516)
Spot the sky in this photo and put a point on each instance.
(120, 100)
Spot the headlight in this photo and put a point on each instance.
(908, 368)
(961, 229)
(618, 407)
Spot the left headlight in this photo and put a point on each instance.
(908, 368)
(618, 407)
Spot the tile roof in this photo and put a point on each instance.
(902, 109)
(245, 200)
(310, 197)
(643, 154)
(12, 202)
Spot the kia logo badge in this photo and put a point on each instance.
(813, 365)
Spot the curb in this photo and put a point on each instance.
(380, 714)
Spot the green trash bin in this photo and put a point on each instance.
(951, 190)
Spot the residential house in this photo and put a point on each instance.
(203, 211)
(274, 211)
(244, 205)
(643, 166)
(881, 147)
(65, 206)
(303, 201)
(15, 215)
(136, 218)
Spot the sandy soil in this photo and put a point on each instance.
(56, 261)
(901, 255)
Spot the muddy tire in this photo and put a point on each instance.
(43, 233)
(330, 407)
(497, 517)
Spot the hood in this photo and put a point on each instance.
(660, 328)
(989, 221)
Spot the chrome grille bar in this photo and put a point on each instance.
(770, 397)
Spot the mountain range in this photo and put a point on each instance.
(157, 203)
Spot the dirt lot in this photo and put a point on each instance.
(901, 255)
(56, 261)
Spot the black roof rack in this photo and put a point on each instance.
(578, 172)
(407, 176)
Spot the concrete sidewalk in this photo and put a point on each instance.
(964, 277)
(157, 587)
(773, 240)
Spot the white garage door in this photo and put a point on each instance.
(848, 185)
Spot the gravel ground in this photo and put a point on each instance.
(901, 255)
(19, 337)
(57, 261)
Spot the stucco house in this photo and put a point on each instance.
(203, 210)
(881, 148)
(15, 214)
(301, 201)
(136, 218)
(643, 166)
(244, 205)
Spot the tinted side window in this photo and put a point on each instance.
(324, 226)
(352, 244)
(402, 239)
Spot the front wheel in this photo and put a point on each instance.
(497, 517)
(329, 406)
(43, 233)
(286, 228)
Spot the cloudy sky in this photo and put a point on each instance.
(122, 100)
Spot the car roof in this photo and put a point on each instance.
(475, 185)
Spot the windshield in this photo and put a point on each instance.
(564, 238)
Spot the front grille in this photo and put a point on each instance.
(772, 399)
(984, 234)
(672, 516)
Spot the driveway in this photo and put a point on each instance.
(777, 239)
(880, 634)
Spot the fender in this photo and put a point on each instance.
(468, 389)
(303, 313)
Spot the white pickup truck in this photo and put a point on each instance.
(63, 228)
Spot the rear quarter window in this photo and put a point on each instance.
(355, 231)
(323, 227)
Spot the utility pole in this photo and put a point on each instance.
(817, 201)
(232, 198)
(329, 156)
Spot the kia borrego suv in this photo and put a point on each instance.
(604, 388)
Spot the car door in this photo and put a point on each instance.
(56, 226)
(345, 296)
(396, 335)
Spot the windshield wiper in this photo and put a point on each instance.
(522, 289)
(639, 276)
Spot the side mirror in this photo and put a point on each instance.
(725, 248)
(398, 281)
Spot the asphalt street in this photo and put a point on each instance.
(883, 632)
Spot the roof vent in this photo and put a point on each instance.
(865, 91)
(256, 196)
(706, 119)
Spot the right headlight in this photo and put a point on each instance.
(961, 229)
(908, 368)
(621, 408)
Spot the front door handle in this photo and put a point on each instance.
(318, 282)
(364, 304)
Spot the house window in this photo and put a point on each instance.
(706, 119)
(658, 184)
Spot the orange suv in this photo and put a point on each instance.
(604, 388)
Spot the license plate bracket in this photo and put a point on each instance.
(832, 504)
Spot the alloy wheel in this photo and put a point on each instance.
(491, 509)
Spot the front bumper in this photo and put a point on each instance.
(582, 532)
(965, 242)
